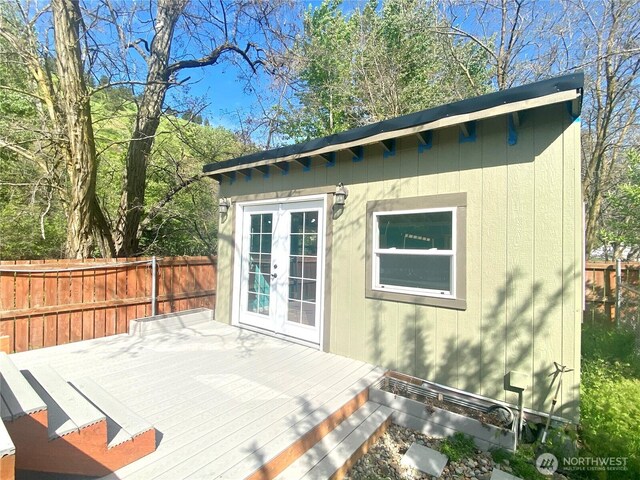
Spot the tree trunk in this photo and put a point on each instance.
(80, 150)
(126, 236)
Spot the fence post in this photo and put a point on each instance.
(618, 290)
(154, 282)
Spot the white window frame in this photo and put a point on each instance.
(377, 251)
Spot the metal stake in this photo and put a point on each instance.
(154, 273)
(560, 369)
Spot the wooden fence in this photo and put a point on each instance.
(46, 303)
(600, 290)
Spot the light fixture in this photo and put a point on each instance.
(223, 205)
(340, 195)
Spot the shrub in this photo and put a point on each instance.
(458, 446)
(522, 462)
(610, 387)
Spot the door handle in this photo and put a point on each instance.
(274, 275)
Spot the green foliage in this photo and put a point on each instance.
(458, 446)
(380, 62)
(187, 224)
(621, 225)
(609, 389)
(522, 462)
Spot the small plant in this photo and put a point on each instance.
(521, 463)
(458, 446)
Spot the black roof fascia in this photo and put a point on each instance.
(525, 92)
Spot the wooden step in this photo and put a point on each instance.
(18, 396)
(277, 453)
(336, 453)
(68, 411)
(71, 435)
(122, 424)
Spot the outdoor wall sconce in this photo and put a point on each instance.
(340, 195)
(223, 206)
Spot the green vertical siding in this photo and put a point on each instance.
(524, 250)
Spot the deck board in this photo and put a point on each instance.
(218, 395)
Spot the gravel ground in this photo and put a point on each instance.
(383, 461)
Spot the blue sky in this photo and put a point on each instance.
(222, 91)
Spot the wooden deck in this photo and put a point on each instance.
(225, 401)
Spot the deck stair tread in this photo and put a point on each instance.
(320, 450)
(338, 453)
(18, 397)
(6, 444)
(122, 423)
(67, 410)
(274, 443)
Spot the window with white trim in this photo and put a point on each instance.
(414, 252)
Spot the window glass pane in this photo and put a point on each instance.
(266, 222)
(253, 282)
(416, 271)
(308, 316)
(422, 231)
(295, 267)
(310, 267)
(265, 264)
(311, 244)
(294, 311)
(297, 222)
(311, 222)
(252, 306)
(258, 303)
(309, 291)
(255, 223)
(296, 244)
(295, 289)
(263, 304)
(266, 243)
(254, 242)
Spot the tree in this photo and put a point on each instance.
(216, 32)
(529, 39)
(608, 49)
(377, 63)
(621, 227)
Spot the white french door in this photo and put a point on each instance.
(281, 268)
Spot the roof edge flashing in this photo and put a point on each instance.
(546, 92)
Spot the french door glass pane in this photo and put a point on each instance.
(303, 259)
(259, 268)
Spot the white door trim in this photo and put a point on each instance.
(239, 210)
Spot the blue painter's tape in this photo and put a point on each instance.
(426, 141)
(359, 154)
(390, 148)
(331, 159)
(512, 133)
(471, 128)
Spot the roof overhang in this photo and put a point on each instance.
(567, 88)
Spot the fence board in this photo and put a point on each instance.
(88, 319)
(44, 304)
(600, 288)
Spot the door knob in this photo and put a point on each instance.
(274, 275)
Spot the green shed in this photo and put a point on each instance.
(446, 244)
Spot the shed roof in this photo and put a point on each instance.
(554, 90)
